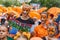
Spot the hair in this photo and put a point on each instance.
(51, 15)
(3, 21)
(5, 26)
(45, 14)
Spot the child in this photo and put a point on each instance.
(4, 33)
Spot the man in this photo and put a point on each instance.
(4, 33)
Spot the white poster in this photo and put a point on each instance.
(22, 1)
(35, 5)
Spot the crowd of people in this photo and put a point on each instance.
(44, 27)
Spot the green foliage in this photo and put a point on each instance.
(1, 1)
(47, 3)
(17, 3)
(7, 3)
(11, 2)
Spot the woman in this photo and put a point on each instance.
(24, 17)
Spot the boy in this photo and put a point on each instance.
(4, 33)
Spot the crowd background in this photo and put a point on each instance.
(25, 22)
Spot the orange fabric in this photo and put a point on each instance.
(4, 9)
(40, 31)
(42, 9)
(54, 11)
(57, 36)
(33, 14)
(17, 9)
